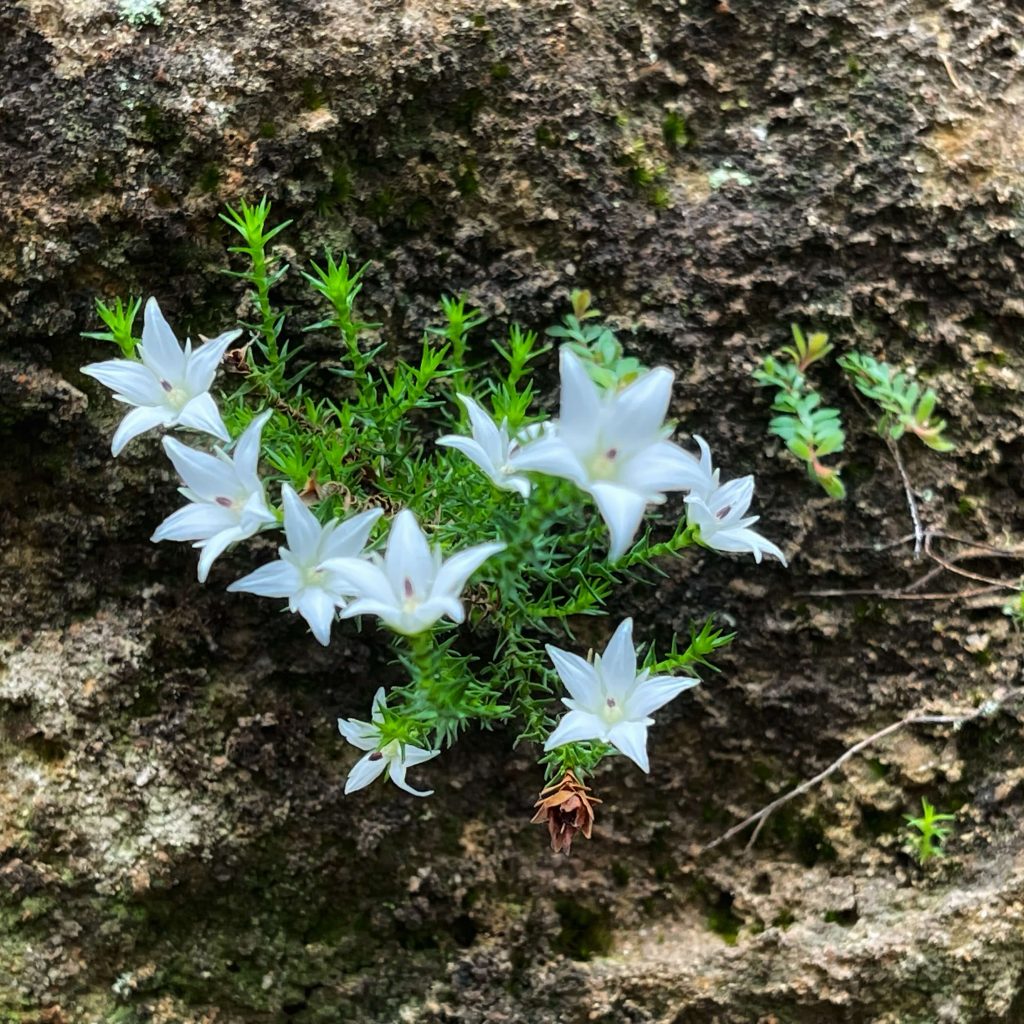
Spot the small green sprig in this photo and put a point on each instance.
(263, 273)
(596, 344)
(807, 350)
(929, 837)
(340, 286)
(810, 429)
(906, 408)
(703, 643)
(119, 316)
(512, 401)
(460, 321)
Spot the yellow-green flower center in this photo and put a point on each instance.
(605, 465)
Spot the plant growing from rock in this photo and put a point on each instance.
(813, 430)
(810, 429)
(906, 407)
(926, 834)
(477, 553)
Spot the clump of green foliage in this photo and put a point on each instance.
(595, 343)
(813, 430)
(1015, 609)
(906, 407)
(927, 835)
(810, 429)
(141, 12)
(363, 443)
(675, 130)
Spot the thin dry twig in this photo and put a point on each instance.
(986, 709)
(912, 591)
(908, 490)
(899, 595)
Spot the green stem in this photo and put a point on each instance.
(262, 283)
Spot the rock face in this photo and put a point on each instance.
(174, 845)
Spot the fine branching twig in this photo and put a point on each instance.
(913, 591)
(986, 709)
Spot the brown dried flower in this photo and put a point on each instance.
(568, 808)
(312, 491)
(236, 360)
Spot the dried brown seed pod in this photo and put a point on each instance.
(568, 808)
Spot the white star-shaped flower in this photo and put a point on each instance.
(300, 574)
(170, 387)
(613, 445)
(492, 448)
(608, 700)
(392, 757)
(226, 498)
(721, 520)
(412, 586)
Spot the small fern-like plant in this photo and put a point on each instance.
(810, 429)
(906, 407)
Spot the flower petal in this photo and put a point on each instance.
(665, 467)
(730, 502)
(698, 514)
(622, 511)
(138, 421)
(360, 578)
(318, 608)
(201, 365)
(396, 769)
(474, 452)
(574, 727)
(301, 527)
(408, 559)
(519, 484)
(275, 579)
(349, 537)
(630, 738)
(365, 771)
(618, 663)
(255, 514)
(577, 675)
(553, 457)
(201, 413)
(743, 540)
(203, 473)
(640, 409)
(426, 614)
(196, 521)
(655, 693)
(454, 573)
(160, 350)
(486, 432)
(378, 704)
(580, 406)
(130, 381)
(417, 755)
(363, 735)
(215, 547)
(246, 455)
(385, 611)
